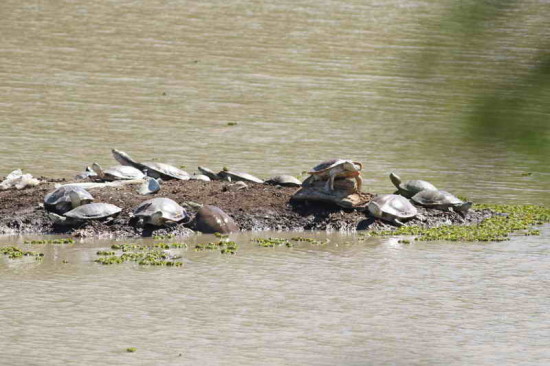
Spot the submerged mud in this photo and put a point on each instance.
(256, 208)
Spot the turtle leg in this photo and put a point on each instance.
(397, 222)
(359, 181)
(329, 187)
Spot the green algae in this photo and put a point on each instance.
(14, 252)
(224, 246)
(51, 241)
(508, 219)
(131, 349)
(141, 254)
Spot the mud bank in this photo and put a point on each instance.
(259, 207)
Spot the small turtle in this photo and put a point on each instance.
(117, 172)
(284, 180)
(334, 168)
(209, 173)
(238, 177)
(150, 186)
(392, 208)
(441, 200)
(159, 212)
(86, 174)
(211, 219)
(201, 177)
(66, 198)
(90, 211)
(152, 169)
(410, 187)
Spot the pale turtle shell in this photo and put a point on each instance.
(60, 201)
(239, 176)
(93, 211)
(284, 180)
(170, 211)
(436, 199)
(392, 206)
(123, 172)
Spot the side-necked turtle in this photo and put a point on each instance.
(152, 169)
(284, 180)
(65, 198)
(209, 173)
(86, 174)
(90, 211)
(200, 177)
(159, 212)
(238, 176)
(334, 168)
(441, 200)
(117, 172)
(410, 187)
(212, 219)
(392, 208)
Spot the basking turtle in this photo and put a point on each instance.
(211, 219)
(86, 174)
(152, 169)
(209, 173)
(150, 186)
(90, 211)
(284, 180)
(238, 177)
(201, 177)
(117, 172)
(441, 200)
(410, 187)
(65, 198)
(159, 212)
(334, 168)
(392, 208)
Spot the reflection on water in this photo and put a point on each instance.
(345, 302)
(452, 92)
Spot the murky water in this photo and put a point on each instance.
(455, 94)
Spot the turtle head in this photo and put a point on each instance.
(374, 209)
(357, 165)
(75, 199)
(98, 170)
(395, 180)
(57, 219)
(463, 207)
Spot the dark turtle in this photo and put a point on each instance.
(159, 212)
(212, 219)
(392, 208)
(238, 177)
(65, 198)
(152, 169)
(117, 172)
(284, 180)
(90, 211)
(441, 200)
(336, 168)
(410, 187)
(209, 173)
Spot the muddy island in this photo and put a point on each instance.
(259, 207)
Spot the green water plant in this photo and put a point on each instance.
(507, 219)
(224, 246)
(14, 252)
(51, 241)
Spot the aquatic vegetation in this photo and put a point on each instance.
(232, 123)
(273, 242)
(224, 246)
(309, 240)
(105, 252)
(509, 219)
(142, 254)
(51, 241)
(131, 349)
(14, 252)
(164, 236)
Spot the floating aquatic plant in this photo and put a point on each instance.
(508, 219)
(14, 252)
(51, 241)
(142, 254)
(224, 246)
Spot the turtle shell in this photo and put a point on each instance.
(436, 198)
(209, 173)
(411, 187)
(60, 201)
(169, 209)
(239, 176)
(326, 166)
(392, 206)
(93, 211)
(123, 172)
(212, 219)
(284, 180)
(165, 171)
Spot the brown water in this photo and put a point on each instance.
(455, 94)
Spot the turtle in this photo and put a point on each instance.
(238, 176)
(159, 212)
(117, 172)
(66, 198)
(441, 200)
(284, 180)
(150, 186)
(201, 177)
(212, 219)
(90, 211)
(334, 168)
(392, 208)
(152, 169)
(410, 187)
(86, 174)
(209, 173)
